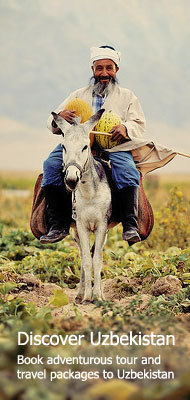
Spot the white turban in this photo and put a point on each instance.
(100, 53)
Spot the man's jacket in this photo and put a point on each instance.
(120, 101)
(148, 155)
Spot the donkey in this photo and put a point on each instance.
(86, 178)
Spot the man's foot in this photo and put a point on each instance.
(131, 236)
(54, 235)
(58, 213)
(129, 212)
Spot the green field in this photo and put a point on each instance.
(146, 288)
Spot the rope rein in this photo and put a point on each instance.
(82, 170)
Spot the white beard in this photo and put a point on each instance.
(103, 89)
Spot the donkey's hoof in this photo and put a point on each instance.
(99, 298)
(87, 301)
(103, 298)
(78, 299)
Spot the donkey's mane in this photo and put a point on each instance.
(99, 169)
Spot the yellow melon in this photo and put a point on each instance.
(82, 110)
(107, 121)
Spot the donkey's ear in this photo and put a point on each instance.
(89, 125)
(76, 121)
(61, 122)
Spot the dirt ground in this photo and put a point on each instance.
(38, 292)
(115, 290)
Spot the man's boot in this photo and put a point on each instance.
(59, 210)
(129, 213)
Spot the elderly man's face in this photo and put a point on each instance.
(104, 70)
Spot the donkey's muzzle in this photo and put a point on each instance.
(71, 183)
(73, 173)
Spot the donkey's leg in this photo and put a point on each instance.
(97, 261)
(86, 266)
(80, 293)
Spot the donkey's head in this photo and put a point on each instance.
(76, 147)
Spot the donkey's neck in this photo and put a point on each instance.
(90, 179)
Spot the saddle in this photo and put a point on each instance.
(39, 222)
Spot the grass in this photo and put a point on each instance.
(19, 180)
(135, 271)
(157, 187)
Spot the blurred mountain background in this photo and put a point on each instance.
(44, 47)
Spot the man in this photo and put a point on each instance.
(103, 91)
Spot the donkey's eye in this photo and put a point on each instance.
(85, 147)
(64, 148)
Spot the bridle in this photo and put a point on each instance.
(75, 164)
(82, 170)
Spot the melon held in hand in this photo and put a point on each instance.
(82, 110)
(107, 121)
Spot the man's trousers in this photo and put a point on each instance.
(124, 172)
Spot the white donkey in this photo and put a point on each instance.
(86, 178)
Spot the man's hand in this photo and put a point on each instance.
(119, 132)
(68, 115)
